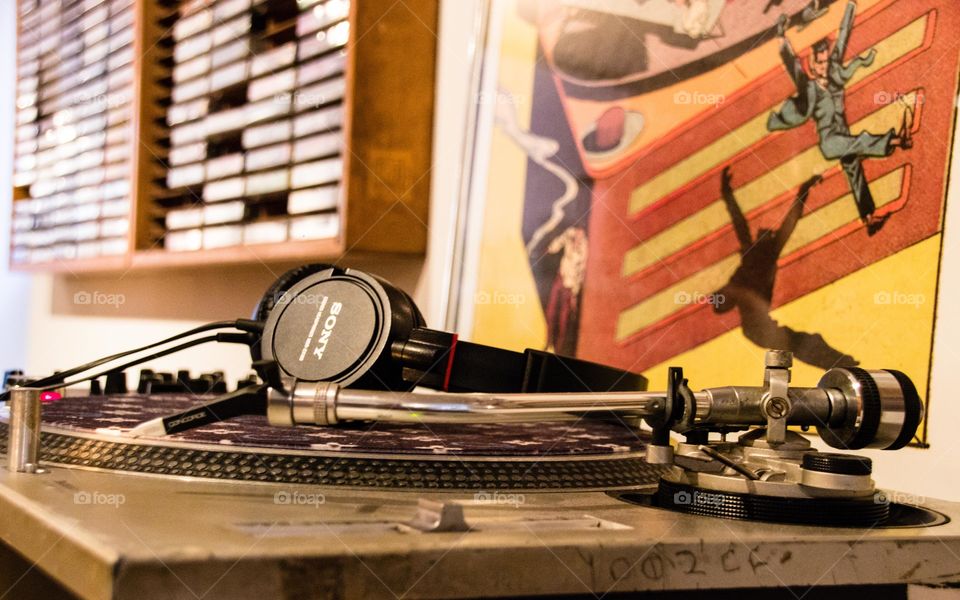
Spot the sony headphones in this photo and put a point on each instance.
(326, 323)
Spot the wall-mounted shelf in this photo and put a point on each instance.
(163, 133)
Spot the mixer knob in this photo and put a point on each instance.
(116, 383)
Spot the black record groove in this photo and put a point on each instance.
(410, 472)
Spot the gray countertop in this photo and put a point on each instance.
(116, 535)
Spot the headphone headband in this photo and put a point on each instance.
(439, 360)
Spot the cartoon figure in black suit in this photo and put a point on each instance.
(821, 97)
(750, 289)
(563, 308)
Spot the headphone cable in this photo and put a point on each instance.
(250, 327)
(232, 338)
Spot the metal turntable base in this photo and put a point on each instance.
(121, 536)
(590, 454)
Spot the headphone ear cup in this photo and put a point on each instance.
(405, 312)
(405, 316)
(372, 317)
(269, 299)
(281, 285)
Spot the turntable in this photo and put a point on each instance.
(90, 432)
(338, 492)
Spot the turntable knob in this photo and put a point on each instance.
(839, 464)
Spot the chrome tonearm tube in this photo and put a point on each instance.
(850, 407)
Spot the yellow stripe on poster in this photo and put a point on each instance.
(701, 284)
(774, 182)
(823, 221)
(880, 315)
(889, 50)
(676, 297)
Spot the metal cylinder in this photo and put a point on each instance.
(877, 407)
(739, 405)
(491, 408)
(23, 443)
(299, 403)
(778, 359)
(311, 403)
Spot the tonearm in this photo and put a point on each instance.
(768, 473)
(851, 408)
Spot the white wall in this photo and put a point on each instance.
(62, 333)
(14, 288)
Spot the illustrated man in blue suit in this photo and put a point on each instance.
(821, 98)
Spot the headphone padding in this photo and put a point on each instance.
(281, 285)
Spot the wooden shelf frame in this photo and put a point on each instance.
(388, 127)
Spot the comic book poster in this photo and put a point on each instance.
(690, 182)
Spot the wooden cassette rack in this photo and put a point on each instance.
(153, 133)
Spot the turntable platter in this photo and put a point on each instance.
(590, 454)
